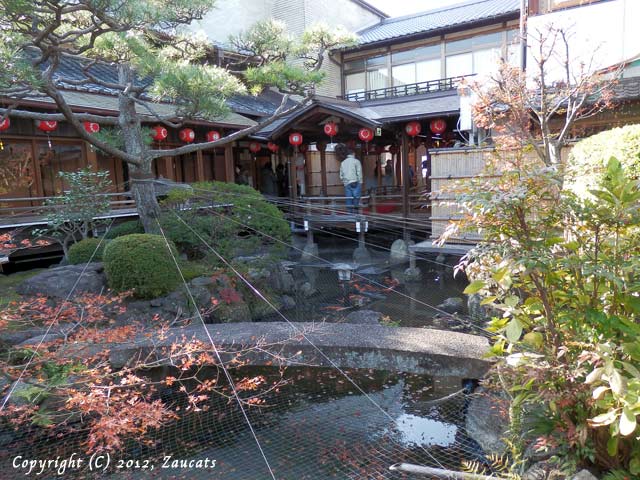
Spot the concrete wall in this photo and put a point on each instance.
(231, 17)
(602, 33)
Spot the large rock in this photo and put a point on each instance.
(58, 282)
(452, 305)
(366, 317)
(399, 252)
(487, 421)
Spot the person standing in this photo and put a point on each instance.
(350, 175)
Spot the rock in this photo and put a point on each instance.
(288, 302)
(202, 281)
(486, 422)
(364, 317)
(283, 281)
(58, 282)
(24, 394)
(452, 305)
(309, 252)
(412, 274)
(544, 471)
(307, 290)
(361, 256)
(258, 274)
(584, 475)
(237, 312)
(399, 252)
(7, 437)
(156, 302)
(476, 310)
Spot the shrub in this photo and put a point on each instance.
(82, 251)
(230, 232)
(589, 158)
(125, 228)
(142, 264)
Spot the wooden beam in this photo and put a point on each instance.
(323, 169)
(92, 158)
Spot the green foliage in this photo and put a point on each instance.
(141, 263)
(229, 230)
(71, 214)
(124, 228)
(291, 65)
(86, 250)
(589, 157)
(562, 270)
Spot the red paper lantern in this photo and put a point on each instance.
(49, 126)
(295, 138)
(213, 136)
(5, 124)
(255, 147)
(438, 126)
(331, 129)
(413, 129)
(273, 147)
(365, 134)
(187, 135)
(91, 127)
(159, 133)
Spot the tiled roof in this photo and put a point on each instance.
(71, 69)
(378, 112)
(109, 103)
(469, 12)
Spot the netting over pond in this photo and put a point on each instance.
(309, 423)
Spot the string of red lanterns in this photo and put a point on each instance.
(213, 136)
(273, 147)
(187, 135)
(438, 126)
(295, 139)
(46, 126)
(91, 127)
(255, 147)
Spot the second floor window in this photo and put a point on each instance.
(475, 55)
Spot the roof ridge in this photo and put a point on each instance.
(425, 12)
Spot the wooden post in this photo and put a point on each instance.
(323, 173)
(169, 168)
(199, 167)
(405, 175)
(229, 171)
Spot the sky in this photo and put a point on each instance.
(396, 8)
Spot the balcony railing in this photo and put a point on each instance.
(430, 86)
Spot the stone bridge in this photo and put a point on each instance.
(413, 350)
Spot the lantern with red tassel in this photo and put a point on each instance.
(4, 125)
(187, 135)
(366, 135)
(273, 147)
(91, 127)
(331, 129)
(295, 139)
(255, 147)
(413, 129)
(213, 136)
(438, 126)
(159, 133)
(47, 126)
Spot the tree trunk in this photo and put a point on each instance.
(141, 175)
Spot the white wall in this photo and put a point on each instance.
(605, 32)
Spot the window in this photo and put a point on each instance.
(458, 65)
(404, 74)
(355, 83)
(428, 70)
(513, 47)
(474, 55)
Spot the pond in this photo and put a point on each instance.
(312, 424)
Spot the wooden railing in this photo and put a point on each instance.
(429, 86)
(14, 210)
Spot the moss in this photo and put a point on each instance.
(83, 251)
(141, 263)
(124, 228)
(8, 284)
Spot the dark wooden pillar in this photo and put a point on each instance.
(323, 170)
(404, 160)
(229, 171)
(200, 167)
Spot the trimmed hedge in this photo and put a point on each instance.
(82, 251)
(231, 233)
(125, 228)
(588, 159)
(141, 263)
